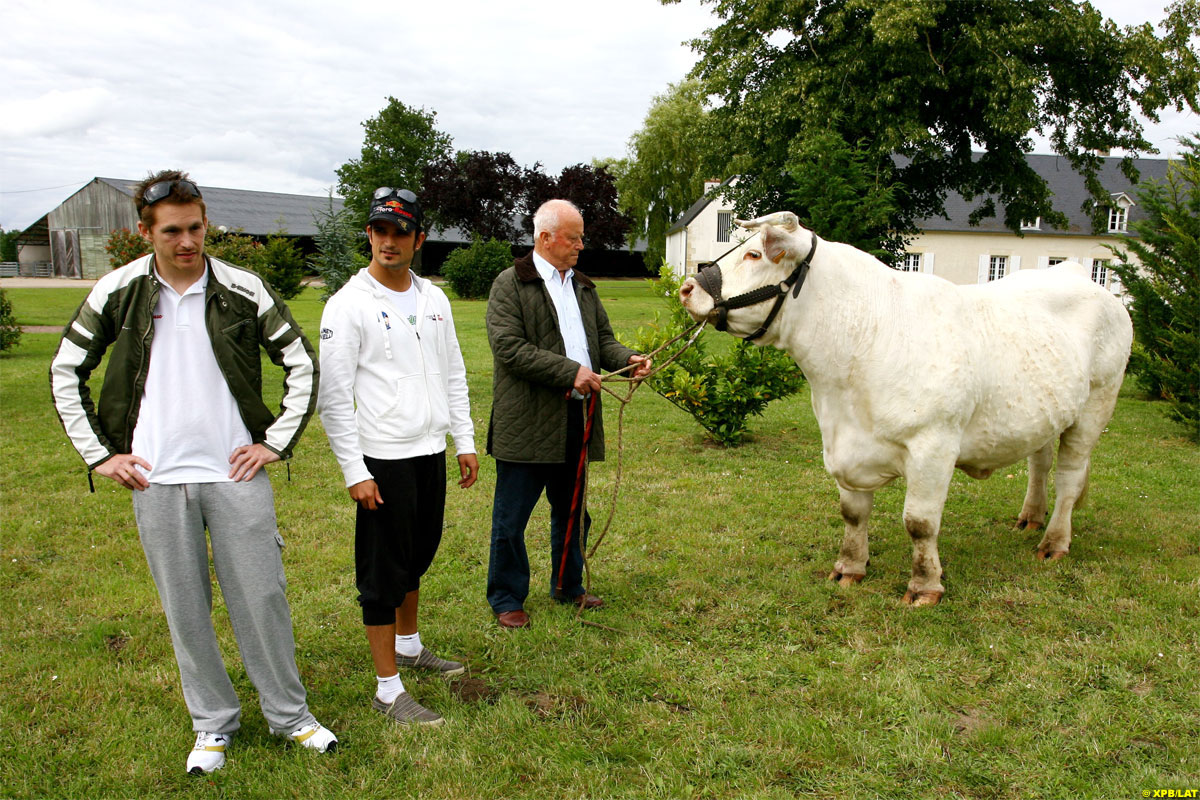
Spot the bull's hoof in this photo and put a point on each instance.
(846, 578)
(1052, 555)
(1029, 525)
(918, 599)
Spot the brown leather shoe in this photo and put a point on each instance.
(513, 619)
(584, 600)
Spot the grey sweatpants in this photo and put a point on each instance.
(240, 518)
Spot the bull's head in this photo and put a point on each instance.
(765, 267)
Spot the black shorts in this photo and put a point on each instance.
(395, 544)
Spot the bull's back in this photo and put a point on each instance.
(1056, 337)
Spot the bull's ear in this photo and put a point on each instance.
(782, 219)
(778, 243)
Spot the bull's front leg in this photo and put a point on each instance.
(851, 566)
(928, 484)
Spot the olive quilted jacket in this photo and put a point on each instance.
(532, 375)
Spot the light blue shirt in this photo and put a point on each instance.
(570, 322)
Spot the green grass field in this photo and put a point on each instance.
(737, 671)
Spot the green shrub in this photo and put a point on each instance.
(10, 331)
(283, 266)
(721, 391)
(470, 271)
(123, 246)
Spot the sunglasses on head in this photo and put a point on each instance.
(157, 191)
(384, 192)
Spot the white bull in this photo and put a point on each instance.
(913, 376)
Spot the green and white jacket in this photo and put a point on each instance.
(241, 313)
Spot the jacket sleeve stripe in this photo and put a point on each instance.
(299, 397)
(82, 331)
(283, 329)
(72, 404)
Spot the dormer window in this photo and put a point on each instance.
(1031, 225)
(1118, 213)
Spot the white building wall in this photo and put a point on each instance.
(957, 257)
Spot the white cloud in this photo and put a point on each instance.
(54, 113)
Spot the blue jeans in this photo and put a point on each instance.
(518, 488)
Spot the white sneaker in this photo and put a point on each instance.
(208, 754)
(315, 736)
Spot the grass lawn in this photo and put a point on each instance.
(737, 671)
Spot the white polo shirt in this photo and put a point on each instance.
(570, 322)
(188, 424)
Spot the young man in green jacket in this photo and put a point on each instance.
(181, 422)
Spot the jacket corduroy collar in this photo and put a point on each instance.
(527, 272)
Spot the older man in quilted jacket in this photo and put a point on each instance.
(549, 337)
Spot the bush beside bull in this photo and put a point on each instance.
(913, 376)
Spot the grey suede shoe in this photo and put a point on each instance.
(427, 660)
(407, 711)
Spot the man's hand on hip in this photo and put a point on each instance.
(122, 468)
(247, 459)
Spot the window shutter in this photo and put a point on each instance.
(927, 263)
(983, 269)
(1043, 262)
(1014, 264)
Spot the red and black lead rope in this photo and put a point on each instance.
(580, 482)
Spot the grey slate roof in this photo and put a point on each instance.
(1065, 184)
(1069, 193)
(258, 213)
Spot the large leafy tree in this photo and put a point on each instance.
(931, 81)
(1165, 289)
(479, 192)
(398, 144)
(662, 174)
(593, 189)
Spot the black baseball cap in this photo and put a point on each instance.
(397, 206)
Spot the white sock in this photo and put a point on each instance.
(408, 645)
(388, 688)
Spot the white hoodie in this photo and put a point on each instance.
(390, 390)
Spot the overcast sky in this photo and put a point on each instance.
(271, 97)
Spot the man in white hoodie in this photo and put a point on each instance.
(393, 385)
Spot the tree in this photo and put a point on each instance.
(839, 194)
(1165, 289)
(662, 175)
(478, 191)
(593, 190)
(339, 248)
(399, 142)
(929, 81)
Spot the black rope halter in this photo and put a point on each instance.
(709, 278)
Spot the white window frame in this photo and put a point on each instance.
(1036, 225)
(724, 226)
(1118, 213)
(913, 262)
(1100, 268)
(997, 268)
